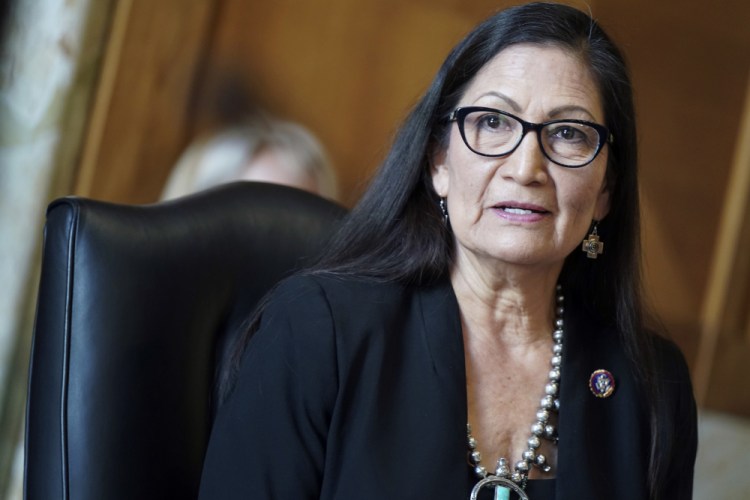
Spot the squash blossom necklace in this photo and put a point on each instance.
(504, 480)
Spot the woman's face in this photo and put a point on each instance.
(523, 209)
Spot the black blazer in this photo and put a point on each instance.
(357, 390)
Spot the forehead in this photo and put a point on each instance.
(536, 79)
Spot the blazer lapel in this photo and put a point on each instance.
(601, 440)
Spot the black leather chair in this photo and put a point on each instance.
(136, 308)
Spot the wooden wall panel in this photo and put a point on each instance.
(138, 125)
(725, 340)
(689, 61)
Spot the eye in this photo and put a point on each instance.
(493, 122)
(490, 121)
(567, 133)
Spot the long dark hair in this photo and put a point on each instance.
(396, 232)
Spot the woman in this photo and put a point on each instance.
(437, 305)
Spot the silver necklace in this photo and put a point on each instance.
(504, 480)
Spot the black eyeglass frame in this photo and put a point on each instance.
(459, 114)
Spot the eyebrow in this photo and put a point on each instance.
(513, 104)
(563, 110)
(555, 113)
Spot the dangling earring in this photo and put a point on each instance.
(444, 210)
(592, 246)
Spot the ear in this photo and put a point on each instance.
(439, 173)
(602, 202)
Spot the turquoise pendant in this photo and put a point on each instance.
(503, 487)
(502, 493)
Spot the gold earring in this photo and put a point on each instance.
(591, 245)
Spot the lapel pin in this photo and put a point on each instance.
(602, 384)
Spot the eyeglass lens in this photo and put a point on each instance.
(495, 134)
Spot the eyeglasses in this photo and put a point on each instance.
(491, 132)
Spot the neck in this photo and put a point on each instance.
(508, 310)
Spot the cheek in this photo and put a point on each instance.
(470, 175)
(449, 173)
(582, 195)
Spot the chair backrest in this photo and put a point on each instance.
(136, 307)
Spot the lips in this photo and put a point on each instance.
(517, 208)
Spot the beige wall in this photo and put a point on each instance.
(49, 58)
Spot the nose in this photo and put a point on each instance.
(527, 163)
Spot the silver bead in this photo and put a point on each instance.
(541, 463)
(517, 477)
(549, 431)
(472, 442)
(537, 428)
(554, 374)
(542, 415)
(556, 360)
(468, 428)
(475, 457)
(502, 469)
(559, 322)
(548, 402)
(557, 335)
(522, 466)
(534, 442)
(557, 349)
(529, 455)
(560, 310)
(480, 471)
(556, 405)
(550, 389)
(505, 472)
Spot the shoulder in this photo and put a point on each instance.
(670, 361)
(341, 307)
(337, 293)
(672, 375)
(606, 343)
(330, 283)
(362, 313)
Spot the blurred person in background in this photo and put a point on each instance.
(260, 148)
